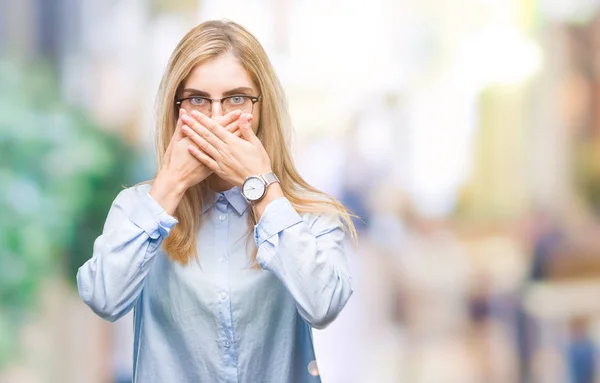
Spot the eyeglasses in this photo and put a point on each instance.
(228, 104)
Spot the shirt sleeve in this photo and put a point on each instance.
(112, 280)
(308, 258)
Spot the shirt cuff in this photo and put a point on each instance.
(278, 216)
(152, 218)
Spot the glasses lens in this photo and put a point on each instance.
(242, 103)
(197, 103)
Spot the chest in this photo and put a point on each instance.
(223, 281)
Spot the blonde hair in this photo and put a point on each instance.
(202, 44)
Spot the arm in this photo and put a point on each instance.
(138, 222)
(308, 259)
(112, 280)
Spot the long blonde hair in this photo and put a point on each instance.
(202, 44)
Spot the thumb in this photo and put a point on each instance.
(246, 128)
(178, 134)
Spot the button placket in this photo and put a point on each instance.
(222, 296)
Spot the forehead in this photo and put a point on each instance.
(219, 75)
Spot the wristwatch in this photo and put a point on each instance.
(254, 188)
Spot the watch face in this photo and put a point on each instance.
(253, 188)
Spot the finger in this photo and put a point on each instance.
(213, 126)
(203, 158)
(229, 118)
(246, 128)
(201, 142)
(233, 127)
(203, 132)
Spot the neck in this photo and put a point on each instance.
(217, 184)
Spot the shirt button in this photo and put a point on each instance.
(222, 217)
(226, 344)
(223, 295)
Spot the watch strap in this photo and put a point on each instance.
(269, 178)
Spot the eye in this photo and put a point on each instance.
(237, 100)
(198, 101)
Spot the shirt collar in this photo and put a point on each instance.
(233, 196)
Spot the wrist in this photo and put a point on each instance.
(254, 174)
(272, 193)
(170, 183)
(167, 190)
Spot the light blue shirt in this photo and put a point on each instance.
(219, 320)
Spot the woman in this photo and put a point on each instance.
(228, 257)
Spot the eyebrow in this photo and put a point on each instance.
(239, 90)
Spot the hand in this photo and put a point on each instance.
(231, 158)
(180, 169)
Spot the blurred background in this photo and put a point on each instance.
(464, 133)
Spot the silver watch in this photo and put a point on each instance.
(255, 187)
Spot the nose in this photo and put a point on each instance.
(216, 109)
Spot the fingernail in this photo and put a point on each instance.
(196, 113)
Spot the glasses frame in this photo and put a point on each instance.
(254, 100)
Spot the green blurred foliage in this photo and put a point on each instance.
(59, 173)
